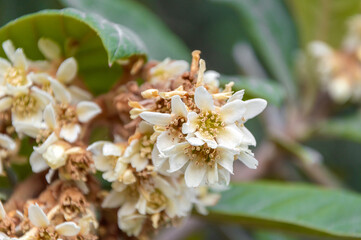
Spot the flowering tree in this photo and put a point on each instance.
(122, 146)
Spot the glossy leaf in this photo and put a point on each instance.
(95, 42)
(257, 88)
(271, 30)
(289, 207)
(161, 42)
(347, 128)
(323, 20)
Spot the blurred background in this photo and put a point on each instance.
(247, 38)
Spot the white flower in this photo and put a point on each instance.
(211, 79)
(39, 219)
(67, 119)
(162, 72)
(13, 76)
(26, 107)
(107, 158)
(7, 145)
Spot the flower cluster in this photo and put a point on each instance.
(174, 140)
(339, 69)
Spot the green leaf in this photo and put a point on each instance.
(271, 30)
(95, 42)
(265, 235)
(161, 42)
(323, 20)
(260, 88)
(297, 208)
(347, 128)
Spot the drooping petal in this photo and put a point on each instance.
(70, 132)
(176, 162)
(237, 96)
(50, 140)
(42, 97)
(232, 111)
(67, 70)
(203, 99)
(37, 162)
(157, 159)
(68, 229)
(97, 147)
(248, 138)
(49, 48)
(194, 174)
(20, 59)
(49, 176)
(161, 119)
(226, 158)
(175, 149)
(212, 174)
(254, 107)
(165, 140)
(5, 103)
(50, 116)
(37, 216)
(127, 209)
(248, 160)
(178, 106)
(78, 94)
(87, 110)
(7, 142)
(191, 125)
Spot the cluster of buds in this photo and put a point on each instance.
(177, 136)
(339, 69)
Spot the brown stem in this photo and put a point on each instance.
(26, 190)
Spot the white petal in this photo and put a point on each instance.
(138, 162)
(50, 140)
(97, 147)
(2, 211)
(248, 160)
(50, 116)
(210, 142)
(203, 99)
(110, 149)
(7, 142)
(68, 229)
(226, 158)
(43, 97)
(37, 216)
(127, 209)
(165, 140)
(212, 174)
(9, 50)
(20, 59)
(78, 94)
(230, 136)
(145, 127)
(178, 106)
(237, 96)
(248, 138)
(5, 103)
(67, 70)
(254, 107)
(4, 65)
(37, 162)
(157, 159)
(194, 141)
(191, 125)
(232, 111)
(113, 200)
(49, 48)
(60, 92)
(175, 149)
(49, 175)
(176, 162)
(87, 110)
(70, 132)
(161, 119)
(194, 174)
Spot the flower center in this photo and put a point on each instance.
(175, 127)
(209, 124)
(15, 76)
(66, 114)
(25, 105)
(47, 234)
(156, 200)
(202, 155)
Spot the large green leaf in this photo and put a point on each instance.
(298, 208)
(272, 32)
(261, 88)
(323, 19)
(347, 128)
(160, 42)
(95, 42)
